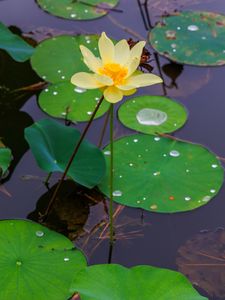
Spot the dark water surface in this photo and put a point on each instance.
(201, 90)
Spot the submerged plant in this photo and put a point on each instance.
(116, 72)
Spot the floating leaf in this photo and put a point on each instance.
(36, 262)
(202, 259)
(115, 282)
(52, 144)
(162, 175)
(152, 114)
(195, 38)
(16, 47)
(5, 159)
(78, 9)
(63, 56)
(64, 100)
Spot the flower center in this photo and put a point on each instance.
(114, 71)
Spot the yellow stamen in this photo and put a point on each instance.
(114, 71)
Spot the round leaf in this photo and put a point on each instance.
(58, 58)
(162, 175)
(16, 47)
(52, 144)
(36, 263)
(5, 158)
(78, 10)
(76, 104)
(152, 114)
(195, 38)
(114, 282)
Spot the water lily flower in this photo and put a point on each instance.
(116, 72)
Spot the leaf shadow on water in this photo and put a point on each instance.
(202, 260)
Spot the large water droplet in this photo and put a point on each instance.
(19, 263)
(79, 90)
(206, 198)
(187, 198)
(117, 193)
(151, 117)
(66, 259)
(107, 152)
(39, 233)
(193, 28)
(174, 153)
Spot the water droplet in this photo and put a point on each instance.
(86, 11)
(173, 45)
(18, 263)
(59, 71)
(88, 41)
(79, 90)
(187, 198)
(212, 191)
(139, 155)
(46, 90)
(39, 233)
(63, 113)
(66, 259)
(97, 98)
(73, 15)
(131, 165)
(178, 28)
(157, 138)
(174, 153)
(206, 198)
(154, 206)
(55, 161)
(63, 77)
(120, 176)
(117, 193)
(55, 93)
(193, 28)
(89, 113)
(174, 50)
(138, 202)
(203, 38)
(151, 117)
(164, 155)
(214, 166)
(156, 173)
(187, 171)
(135, 140)
(44, 77)
(107, 152)
(144, 198)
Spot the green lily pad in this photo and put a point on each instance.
(115, 282)
(5, 159)
(16, 47)
(78, 9)
(52, 144)
(162, 175)
(58, 58)
(36, 262)
(195, 38)
(76, 104)
(152, 114)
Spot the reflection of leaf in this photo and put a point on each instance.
(4, 191)
(70, 210)
(202, 259)
(14, 45)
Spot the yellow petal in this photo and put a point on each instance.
(132, 66)
(113, 94)
(122, 52)
(136, 51)
(92, 62)
(143, 80)
(90, 81)
(129, 92)
(106, 49)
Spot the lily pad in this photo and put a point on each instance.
(63, 56)
(115, 282)
(195, 38)
(36, 262)
(162, 175)
(52, 144)
(5, 159)
(152, 114)
(64, 100)
(78, 9)
(16, 47)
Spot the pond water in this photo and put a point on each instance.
(143, 237)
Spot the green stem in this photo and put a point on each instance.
(104, 129)
(52, 200)
(46, 182)
(111, 177)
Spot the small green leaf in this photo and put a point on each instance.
(152, 114)
(5, 159)
(195, 38)
(114, 282)
(36, 263)
(64, 100)
(16, 47)
(52, 144)
(78, 9)
(161, 174)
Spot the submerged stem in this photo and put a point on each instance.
(72, 158)
(111, 229)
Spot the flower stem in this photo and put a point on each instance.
(52, 200)
(104, 129)
(111, 229)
